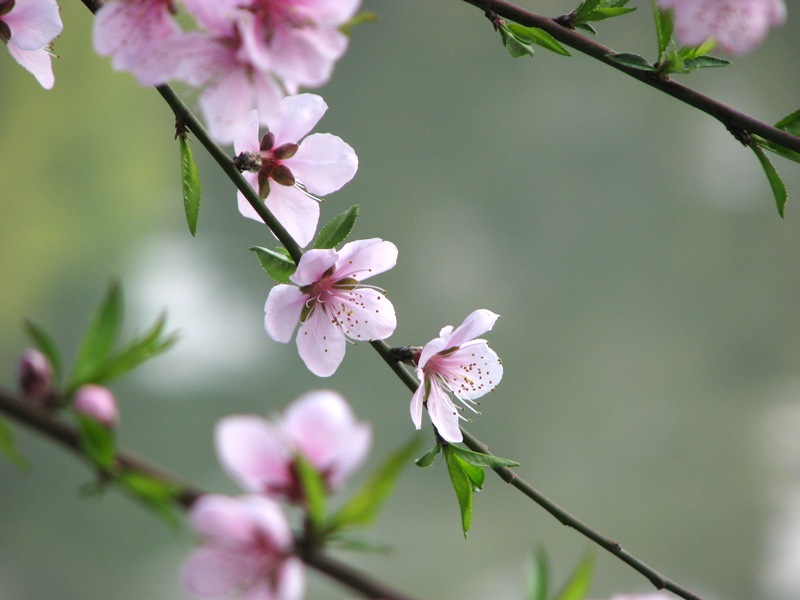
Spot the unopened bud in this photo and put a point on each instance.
(98, 403)
(35, 374)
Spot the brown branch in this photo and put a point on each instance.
(44, 421)
(734, 120)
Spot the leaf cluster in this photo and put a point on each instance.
(593, 11)
(520, 40)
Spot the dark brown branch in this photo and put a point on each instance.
(734, 120)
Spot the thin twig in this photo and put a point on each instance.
(734, 120)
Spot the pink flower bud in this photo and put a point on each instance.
(98, 403)
(35, 374)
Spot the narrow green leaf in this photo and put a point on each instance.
(363, 507)
(313, 491)
(705, 62)
(97, 441)
(362, 17)
(634, 61)
(191, 184)
(277, 265)
(476, 474)
(775, 181)
(790, 123)
(776, 148)
(7, 446)
(536, 583)
(45, 343)
(665, 23)
(426, 460)
(515, 47)
(137, 351)
(482, 460)
(586, 27)
(99, 338)
(528, 35)
(337, 230)
(462, 486)
(577, 586)
(153, 493)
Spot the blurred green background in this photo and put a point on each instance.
(648, 290)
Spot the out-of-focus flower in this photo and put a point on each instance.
(138, 35)
(247, 550)
(455, 362)
(285, 170)
(738, 26)
(260, 455)
(35, 374)
(330, 303)
(96, 402)
(28, 27)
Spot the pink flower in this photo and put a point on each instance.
(737, 25)
(247, 550)
(28, 27)
(288, 170)
(330, 303)
(98, 403)
(138, 34)
(456, 363)
(260, 455)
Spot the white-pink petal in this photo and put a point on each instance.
(221, 518)
(282, 311)
(36, 62)
(443, 413)
(313, 265)
(293, 209)
(364, 314)
(253, 452)
(323, 163)
(33, 23)
(211, 572)
(362, 259)
(476, 323)
(295, 117)
(320, 343)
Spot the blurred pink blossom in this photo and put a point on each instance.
(260, 454)
(738, 26)
(330, 303)
(35, 374)
(289, 168)
(98, 403)
(455, 362)
(247, 550)
(28, 27)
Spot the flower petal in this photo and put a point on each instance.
(215, 572)
(320, 343)
(416, 401)
(364, 314)
(296, 117)
(471, 371)
(282, 311)
(323, 163)
(221, 518)
(254, 453)
(33, 23)
(313, 265)
(476, 323)
(37, 62)
(443, 413)
(307, 55)
(294, 210)
(226, 104)
(364, 258)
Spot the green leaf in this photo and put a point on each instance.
(463, 486)
(137, 351)
(577, 586)
(482, 460)
(775, 181)
(528, 35)
(537, 581)
(600, 10)
(153, 493)
(337, 230)
(513, 45)
(476, 474)
(705, 62)
(99, 338)
(790, 123)
(277, 264)
(45, 343)
(426, 460)
(313, 491)
(7, 446)
(776, 148)
(191, 184)
(362, 17)
(363, 507)
(97, 441)
(665, 23)
(634, 61)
